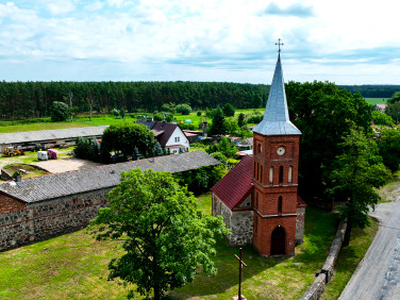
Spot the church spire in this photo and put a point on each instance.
(276, 117)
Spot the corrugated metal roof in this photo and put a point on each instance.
(276, 117)
(45, 135)
(74, 182)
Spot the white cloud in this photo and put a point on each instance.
(230, 38)
(60, 7)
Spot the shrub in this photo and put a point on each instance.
(183, 109)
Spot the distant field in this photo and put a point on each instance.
(374, 101)
(99, 120)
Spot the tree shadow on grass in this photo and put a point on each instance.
(228, 267)
(320, 229)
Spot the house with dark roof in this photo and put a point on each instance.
(258, 198)
(38, 208)
(169, 135)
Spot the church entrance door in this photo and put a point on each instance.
(278, 238)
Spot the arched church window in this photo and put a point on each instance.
(259, 148)
(281, 175)
(290, 174)
(271, 175)
(280, 205)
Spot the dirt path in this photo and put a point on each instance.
(65, 164)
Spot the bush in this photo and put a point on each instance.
(220, 157)
(59, 111)
(380, 118)
(115, 112)
(255, 118)
(183, 109)
(158, 117)
(229, 110)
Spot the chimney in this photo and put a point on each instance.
(18, 178)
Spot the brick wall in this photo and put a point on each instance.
(265, 227)
(10, 204)
(42, 220)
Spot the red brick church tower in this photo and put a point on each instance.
(275, 174)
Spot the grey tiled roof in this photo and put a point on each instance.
(45, 135)
(85, 180)
(276, 117)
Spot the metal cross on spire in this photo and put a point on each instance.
(279, 44)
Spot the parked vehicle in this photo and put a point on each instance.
(13, 151)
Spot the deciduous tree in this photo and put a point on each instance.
(321, 111)
(229, 110)
(124, 138)
(59, 111)
(166, 237)
(359, 170)
(389, 148)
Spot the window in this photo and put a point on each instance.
(261, 173)
(280, 205)
(271, 175)
(290, 174)
(177, 139)
(259, 148)
(281, 175)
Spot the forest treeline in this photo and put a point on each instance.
(372, 91)
(33, 99)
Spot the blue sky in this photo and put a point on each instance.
(341, 41)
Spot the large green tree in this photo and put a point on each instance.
(166, 238)
(59, 111)
(229, 110)
(395, 98)
(321, 111)
(389, 148)
(218, 125)
(123, 138)
(393, 110)
(358, 171)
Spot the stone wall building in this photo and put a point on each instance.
(42, 207)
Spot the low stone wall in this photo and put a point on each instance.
(317, 288)
(43, 220)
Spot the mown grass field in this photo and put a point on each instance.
(374, 101)
(74, 266)
(97, 120)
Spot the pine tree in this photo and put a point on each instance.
(158, 151)
(136, 155)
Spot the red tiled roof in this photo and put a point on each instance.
(232, 188)
(300, 202)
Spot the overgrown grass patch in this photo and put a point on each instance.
(349, 258)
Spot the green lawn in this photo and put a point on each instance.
(374, 101)
(97, 120)
(75, 266)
